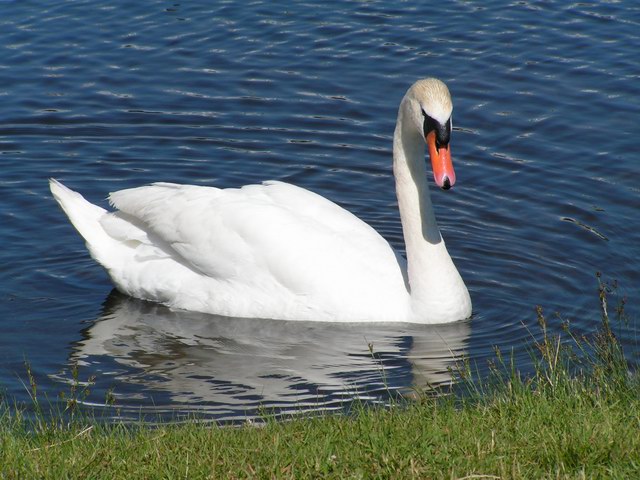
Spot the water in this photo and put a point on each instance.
(104, 97)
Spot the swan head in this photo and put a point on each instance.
(430, 106)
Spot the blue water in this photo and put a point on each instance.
(104, 96)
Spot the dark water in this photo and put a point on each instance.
(104, 97)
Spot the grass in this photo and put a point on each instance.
(577, 416)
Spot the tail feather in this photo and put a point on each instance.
(85, 217)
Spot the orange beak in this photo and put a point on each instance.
(443, 172)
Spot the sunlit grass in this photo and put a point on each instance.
(576, 416)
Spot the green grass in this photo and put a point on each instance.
(577, 416)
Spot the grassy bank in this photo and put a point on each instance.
(578, 416)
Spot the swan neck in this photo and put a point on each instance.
(414, 200)
(430, 270)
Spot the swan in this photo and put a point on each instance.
(278, 251)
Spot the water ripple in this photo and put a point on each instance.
(106, 97)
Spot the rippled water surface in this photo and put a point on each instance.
(103, 97)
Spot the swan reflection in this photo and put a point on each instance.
(229, 367)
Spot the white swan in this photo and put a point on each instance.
(279, 251)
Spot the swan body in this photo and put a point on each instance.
(279, 251)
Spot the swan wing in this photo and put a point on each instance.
(271, 240)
